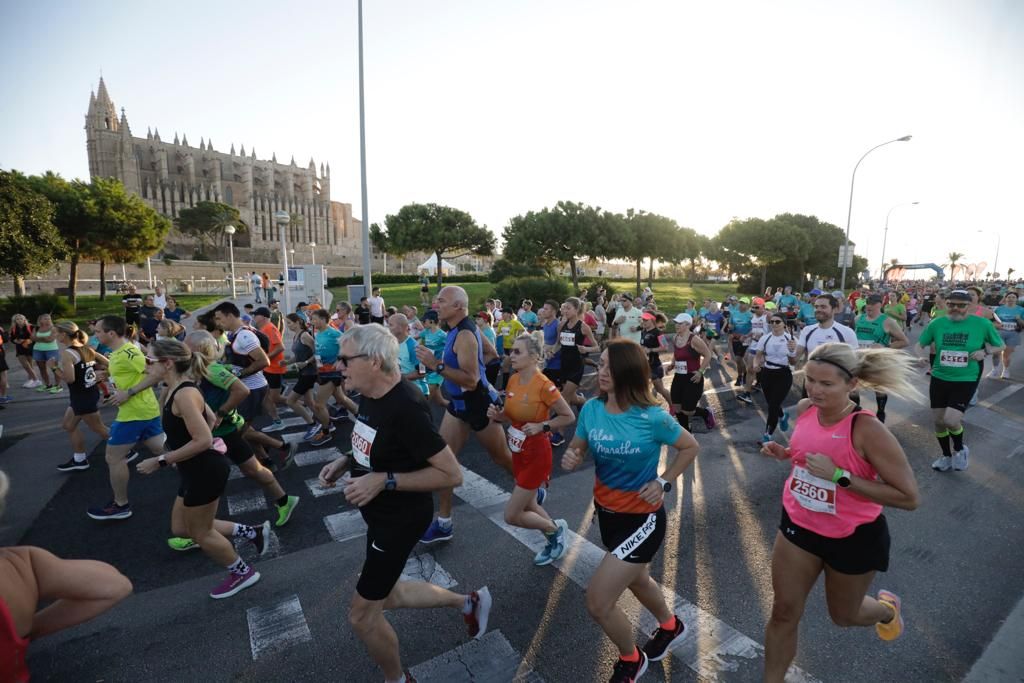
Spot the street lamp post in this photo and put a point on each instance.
(312, 253)
(282, 219)
(995, 265)
(362, 164)
(885, 238)
(230, 230)
(849, 211)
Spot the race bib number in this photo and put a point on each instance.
(865, 343)
(362, 441)
(813, 493)
(516, 437)
(1009, 326)
(681, 367)
(567, 339)
(89, 376)
(953, 359)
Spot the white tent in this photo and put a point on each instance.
(430, 265)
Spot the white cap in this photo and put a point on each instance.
(683, 318)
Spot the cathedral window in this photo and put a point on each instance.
(229, 195)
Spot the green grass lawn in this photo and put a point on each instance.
(90, 307)
(671, 296)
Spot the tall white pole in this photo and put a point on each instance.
(231, 249)
(282, 218)
(149, 270)
(849, 211)
(367, 278)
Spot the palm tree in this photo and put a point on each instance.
(954, 258)
(1009, 274)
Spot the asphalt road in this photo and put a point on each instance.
(955, 563)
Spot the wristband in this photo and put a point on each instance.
(836, 475)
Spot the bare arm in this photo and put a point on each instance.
(897, 339)
(259, 361)
(468, 373)
(896, 486)
(588, 334)
(81, 590)
(443, 473)
(190, 406)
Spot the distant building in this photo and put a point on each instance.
(171, 176)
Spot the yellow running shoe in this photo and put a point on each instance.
(893, 629)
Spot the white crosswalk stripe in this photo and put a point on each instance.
(247, 501)
(277, 627)
(491, 658)
(343, 526)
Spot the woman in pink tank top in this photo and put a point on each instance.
(846, 466)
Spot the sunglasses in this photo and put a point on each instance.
(950, 304)
(345, 359)
(777, 322)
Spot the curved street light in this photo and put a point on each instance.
(881, 272)
(849, 211)
(995, 265)
(230, 230)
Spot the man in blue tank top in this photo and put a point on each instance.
(462, 367)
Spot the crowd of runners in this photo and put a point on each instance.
(202, 393)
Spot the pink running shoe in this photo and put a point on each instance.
(235, 583)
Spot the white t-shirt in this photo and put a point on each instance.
(376, 304)
(630, 320)
(246, 342)
(813, 336)
(758, 326)
(775, 348)
(257, 281)
(602, 318)
(160, 300)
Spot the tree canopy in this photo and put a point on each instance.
(435, 229)
(29, 241)
(205, 222)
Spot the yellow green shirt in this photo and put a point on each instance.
(128, 368)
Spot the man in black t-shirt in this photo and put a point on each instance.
(362, 312)
(132, 303)
(398, 458)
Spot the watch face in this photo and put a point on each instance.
(844, 482)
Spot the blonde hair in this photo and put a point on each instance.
(185, 362)
(534, 347)
(169, 328)
(79, 337)
(204, 344)
(18, 319)
(886, 370)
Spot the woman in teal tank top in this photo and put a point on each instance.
(46, 353)
(1011, 316)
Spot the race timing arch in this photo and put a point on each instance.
(914, 266)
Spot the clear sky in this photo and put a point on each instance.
(701, 111)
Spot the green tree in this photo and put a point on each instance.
(29, 241)
(435, 229)
(564, 234)
(72, 220)
(205, 223)
(954, 260)
(641, 235)
(125, 229)
(764, 243)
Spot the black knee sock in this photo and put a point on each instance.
(683, 419)
(943, 438)
(958, 439)
(880, 401)
(700, 412)
(283, 500)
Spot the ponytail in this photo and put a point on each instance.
(889, 371)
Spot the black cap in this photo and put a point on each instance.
(959, 295)
(874, 299)
(301, 304)
(262, 310)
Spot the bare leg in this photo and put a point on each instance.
(199, 523)
(610, 580)
(264, 477)
(522, 511)
(794, 572)
(848, 601)
(118, 471)
(455, 432)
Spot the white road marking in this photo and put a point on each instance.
(247, 501)
(235, 473)
(277, 627)
(344, 526)
(491, 658)
(1001, 395)
(318, 491)
(708, 654)
(424, 567)
(317, 457)
(1003, 659)
(293, 421)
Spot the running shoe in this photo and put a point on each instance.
(288, 454)
(709, 419)
(739, 381)
(235, 583)
(628, 672)
(409, 677)
(766, 438)
(31, 384)
(5, 400)
(1006, 373)
(960, 459)
(893, 629)
(974, 399)
(72, 465)
(132, 454)
(331, 428)
(56, 389)
(284, 512)
(338, 414)
(110, 511)
(756, 387)
(943, 463)
(784, 421)
(555, 547)
(262, 534)
(311, 431)
(662, 641)
(435, 532)
(181, 544)
(557, 440)
(745, 398)
(542, 495)
(995, 373)
(476, 620)
(275, 426)
(320, 438)
(42, 387)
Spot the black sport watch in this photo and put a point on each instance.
(390, 484)
(545, 426)
(843, 480)
(666, 486)
(439, 368)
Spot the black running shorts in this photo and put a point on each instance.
(239, 449)
(555, 375)
(203, 478)
(388, 546)
(86, 402)
(471, 408)
(252, 406)
(303, 384)
(273, 379)
(865, 550)
(631, 537)
(686, 393)
(955, 395)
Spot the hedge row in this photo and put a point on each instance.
(395, 279)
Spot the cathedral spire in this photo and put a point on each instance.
(293, 160)
(184, 139)
(125, 130)
(156, 134)
(273, 157)
(232, 149)
(242, 153)
(176, 141)
(202, 144)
